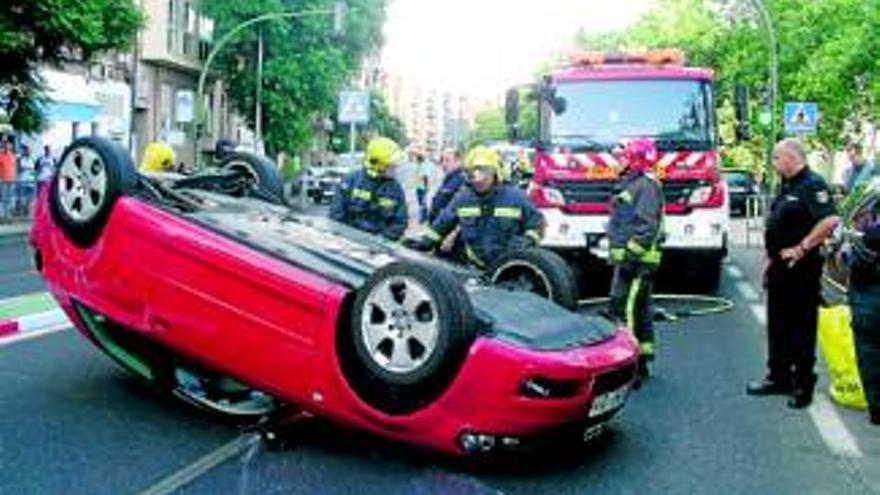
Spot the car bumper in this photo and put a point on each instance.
(487, 401)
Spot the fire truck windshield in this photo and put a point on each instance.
(600, 114)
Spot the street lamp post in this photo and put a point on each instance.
(773, 74)
(338, 13)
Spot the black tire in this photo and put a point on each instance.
(263, 174)
(83, 219)
(439, 303)
(536, 270)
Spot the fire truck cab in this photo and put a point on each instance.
(587, 111)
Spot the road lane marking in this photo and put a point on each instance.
(22, 337)
(212, 459)
(832, 429)
(759, 311)
(746, 291)
(734, 272)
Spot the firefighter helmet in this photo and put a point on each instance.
(158, 157)
(485, 157)
(381, 154)
(640, 154)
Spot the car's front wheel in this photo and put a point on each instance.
(410, 329)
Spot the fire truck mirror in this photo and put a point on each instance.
(559, 105)
(741, 112)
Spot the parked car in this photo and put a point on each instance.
(321, 182)
(245, 308)
(741, 184)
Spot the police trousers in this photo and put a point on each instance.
(792, 319)
(631, 291)
(865, 306)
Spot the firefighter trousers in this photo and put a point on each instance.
(631, 291)
(865, 305)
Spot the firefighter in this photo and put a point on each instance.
(634, 231)
(493, 217)
(371, 199)
(158, 157)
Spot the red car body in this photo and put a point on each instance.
(230, 305)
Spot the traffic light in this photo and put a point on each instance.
(741, 111)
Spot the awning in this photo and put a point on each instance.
(71, 112)
(70, 97)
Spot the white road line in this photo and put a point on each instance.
(734, 272)
(201, 466)
(760, 313)
(22, 337)
(746, 291)
(832, 429)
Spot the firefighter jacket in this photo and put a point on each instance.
(490, 224)
(373, 204)
(452, 182)
(636, 221)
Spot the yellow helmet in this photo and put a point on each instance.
(381, 154)
(158, 157)
(483, 156)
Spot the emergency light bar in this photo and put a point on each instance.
(666, 56)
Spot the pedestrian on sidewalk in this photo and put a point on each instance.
(45, 168)
(801, 217)
(7, 180)
(27, 180)
(423, 177)
(860, 169)
(634, 231)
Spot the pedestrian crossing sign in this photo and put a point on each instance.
(801, 117)
(354, 107)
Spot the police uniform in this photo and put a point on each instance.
(793, 292)
(864, 301)
(374, 204)
(634, 237)
(490, 224)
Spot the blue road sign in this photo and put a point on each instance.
(801, 117)
(354, 107)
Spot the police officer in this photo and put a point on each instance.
(371, 199)
(801, 217)
(493, 217)
(864, 301)
(634, 231)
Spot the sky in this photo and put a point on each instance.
(481, 47)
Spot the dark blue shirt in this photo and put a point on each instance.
(373, 204)
(452, 182)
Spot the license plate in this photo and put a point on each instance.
(608, 402)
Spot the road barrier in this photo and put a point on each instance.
(17, 199)
(756, 206)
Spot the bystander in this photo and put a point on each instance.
(7, 180)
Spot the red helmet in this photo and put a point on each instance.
(639, 154)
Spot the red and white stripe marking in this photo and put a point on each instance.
(32, 325)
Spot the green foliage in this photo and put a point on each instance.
(33, 32)
(827, 54)
(382, 123)
(305, 63)
(490, 124)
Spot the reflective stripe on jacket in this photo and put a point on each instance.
(636, 220)
(373, 204)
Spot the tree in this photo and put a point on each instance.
(305, 64)
(488, 126)
(35, 32)
(382, 123)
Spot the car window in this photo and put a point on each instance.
(737, 178)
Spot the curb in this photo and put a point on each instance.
(52, 319)
(14, 230)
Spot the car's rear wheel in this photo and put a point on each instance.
(536, 270)
(257, 173)
(92, 174)
(410, 329)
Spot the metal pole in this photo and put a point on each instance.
(258, 117)
(352, 131)
(773, 71)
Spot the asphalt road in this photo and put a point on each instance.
(71, 422)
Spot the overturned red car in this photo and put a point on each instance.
(245, 307)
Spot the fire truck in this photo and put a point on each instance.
(587, 111)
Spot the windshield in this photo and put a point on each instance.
(601, 114)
